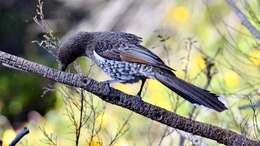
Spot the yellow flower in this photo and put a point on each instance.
(254, 57)
(199, 61)
(197, 65)
(95, 141)
(102, 120)
(179, 14)
(231, 79)
(8, 136)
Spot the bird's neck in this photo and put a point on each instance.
(75, 47)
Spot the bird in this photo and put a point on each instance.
(121, 56)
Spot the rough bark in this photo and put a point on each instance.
(129, 102)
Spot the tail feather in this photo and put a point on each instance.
(190, 92)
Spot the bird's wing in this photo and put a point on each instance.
(133, 53)
(131, 38)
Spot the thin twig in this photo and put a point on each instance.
(122, 130)
(19, 136)
(50, 42)
(51, 139)
(244, 20)
(78, 130)
(189, 46)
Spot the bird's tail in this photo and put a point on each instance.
(190, 92)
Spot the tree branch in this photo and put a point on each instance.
(244, 20)
(129, 102)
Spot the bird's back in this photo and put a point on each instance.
(117, 37)
(123, 46)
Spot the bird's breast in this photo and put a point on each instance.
(123, 70)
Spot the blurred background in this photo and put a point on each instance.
(203, 40)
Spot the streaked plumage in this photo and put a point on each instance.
(121, 56)
(123, 70)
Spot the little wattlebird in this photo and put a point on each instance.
(121, 56)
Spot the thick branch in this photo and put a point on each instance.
(129, 102)
(244, 20)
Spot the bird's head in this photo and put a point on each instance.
(74, 46)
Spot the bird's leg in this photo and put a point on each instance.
(110, 82)
(141, 88)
